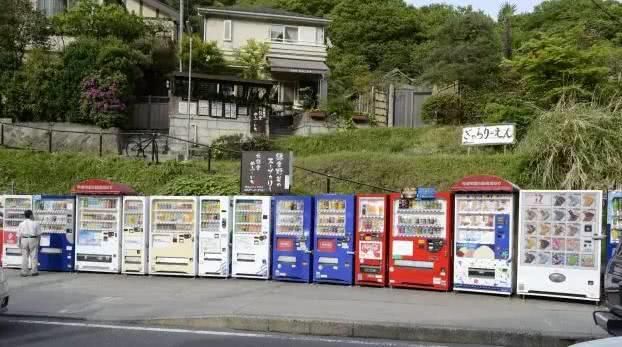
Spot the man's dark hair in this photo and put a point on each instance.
(28, 214)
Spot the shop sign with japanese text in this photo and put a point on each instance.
(266, 172)
(501, 134)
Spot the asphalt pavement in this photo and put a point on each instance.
(18, 332)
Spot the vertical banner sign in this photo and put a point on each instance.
(266, 172)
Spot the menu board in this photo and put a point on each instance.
(266, 172)
(557, 228)
(290, 214)
(331, 217)
(420, 218)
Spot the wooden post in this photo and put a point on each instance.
(149, 123)
(327, 185)
(391, 108)
(209, 160)
(50, 140)
(1, 134)
(101, 144)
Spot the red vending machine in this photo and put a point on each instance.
(371, 240)
(420, 248)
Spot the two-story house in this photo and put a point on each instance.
(297, 56)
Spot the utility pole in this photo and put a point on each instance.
(181, 33)
(189, 28)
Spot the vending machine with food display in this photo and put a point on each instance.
(56, 216)
(371, 240)
(484, 227)
(173, 235)
(14, 207)
(215, 236)
(292, 238)
(98, 225)
(420, 253)
(559, 244)
(614, 222)
(1, 227)
(333, 254)
(251, 237)
(135, 240)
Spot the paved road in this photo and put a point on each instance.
(21, 332)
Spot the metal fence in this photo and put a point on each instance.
(150, 113)
(145, 146)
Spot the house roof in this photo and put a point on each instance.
(224, 78)
(262, 13)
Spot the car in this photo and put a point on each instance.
(611, 320)
(609, 342)
(4, 291)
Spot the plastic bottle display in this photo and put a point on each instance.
(54, 216)
(421, 219)
(172, 215)
(248, 216)
(210, 215)
(331, 218)
(290, 216)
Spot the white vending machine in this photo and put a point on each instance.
(135, 242)
(14, 207)
(559, 244)
(173, 235)
(98, 240)
(214, 236)
(251, 237)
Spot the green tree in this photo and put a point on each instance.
(508, 10)
(466, 49)
(42, 73)
(318, 8)
(21, 28)
(252, 58)
(206, 56)
(88, 18)
(552, 66)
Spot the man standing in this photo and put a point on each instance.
(28, 239)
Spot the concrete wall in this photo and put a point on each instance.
(244, 30)
(64, 137)
(204, 130)
(305, 125)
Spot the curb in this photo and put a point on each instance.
(434, 334)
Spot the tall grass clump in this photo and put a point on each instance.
(575, 146)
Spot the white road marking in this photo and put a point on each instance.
(215, 333)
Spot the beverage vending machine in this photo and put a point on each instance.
(333, 260)
(1, 226)
(173, 235)
(292, 235)
(98, 224)
(14, 207)
(371, 240)
(614, 222)
(56, 215)
(421, 241)
(135, 240)
(484, 235)
(215, 236)
(251, 237)
(559, 244)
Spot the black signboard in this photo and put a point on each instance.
(266, 172)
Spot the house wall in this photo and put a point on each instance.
(244, 30)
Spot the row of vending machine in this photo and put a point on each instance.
(477, 237)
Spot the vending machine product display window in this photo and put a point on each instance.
(559, 244)
(421, 242)
(215, 236)
(135, 241)
(484, 227)
(56, 215)
(173, 235)
(292, 238)
(333, 260)
(614, 222)
(251, 237)
(371, 240)
(14, 207)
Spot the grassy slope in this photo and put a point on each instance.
(391, 158)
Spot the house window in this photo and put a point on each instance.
(319, 36)
(227, 30)
(283, 33)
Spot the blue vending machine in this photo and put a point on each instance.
(333, 243)
(292, 238)
(614, 221)
(56, 215)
